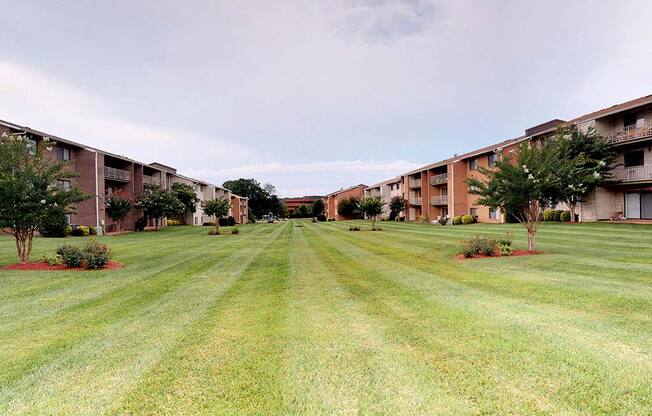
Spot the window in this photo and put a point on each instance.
(636, 158)
(64, 185)
(444, 190)
(492, 159)
(31, 146)
(69, 218)
(473, 164)
(493, 213)
(63, 153)
(630, 120)
(474, 212)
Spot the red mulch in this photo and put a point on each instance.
(44, 266)
(515, 253)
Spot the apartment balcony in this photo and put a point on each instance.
(116, 174)
(414, 200)
(150, 180)
(414, 183)
(630, 133)
(633, 174)
(375, 194)
(439, 200)
(439, 179)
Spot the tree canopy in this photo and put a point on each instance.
(262, 200)
(31, 187)
(186, 195)
(348, 208)
(217, 208)
(158, 203)
(371, 207)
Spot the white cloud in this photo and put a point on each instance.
(49, 104)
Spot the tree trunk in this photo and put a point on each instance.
(217, 227)
(571, 207)
(373, 223)
(530, 239)
(23, 245)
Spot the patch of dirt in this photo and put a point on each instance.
(515, 253)
(114, 265)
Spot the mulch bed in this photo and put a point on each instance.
(515, 253)
(44, 266)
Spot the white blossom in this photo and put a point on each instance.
(602, 163)
(525, 169)
(42, 201)
(530, 176)
(596, 175)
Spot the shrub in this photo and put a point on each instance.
(51, 259)
(377, 228)
(235, 231)
(214, 232)
(354, 228)
(173, 222)
(140, 224)
(321, 217)
(467, 219)
(442, 220)
(549, 214)
(81, 231)
(54, 224)
(96, 254)
(331, 219)
(208, 224)
(457, 220)
(479, 245)
(557, 215)
(92, 230)
(424, 218)
(314, 220)
(401, 219)
(223, 222)
(506, 250)
(72, 256)
(68, 229)
(230, 221)
(565, 216)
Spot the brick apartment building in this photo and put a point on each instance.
(331, 200)
(293, 203)
(385, 190)
(101, 173)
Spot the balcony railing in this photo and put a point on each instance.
(439, 200)
(414, 200)
(117, 174)
(150, 180)
(439, 179)
(415, 183)
(633, 174)
(375, 194)
(634, 132)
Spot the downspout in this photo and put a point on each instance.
(97, 201)
(451, 214)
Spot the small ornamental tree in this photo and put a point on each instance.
(348, 208)
(30, 188)
(371, 207)
(187, 196)
(158, 203)
(318, 208)
(522, 189)
(585, 161)
(217, 208)
(118, 205)
(302, 211)
(396, 206)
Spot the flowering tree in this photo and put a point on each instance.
(522, 188)
(158, 203)
(187, 196)
(585, 161)
(29, 188)
(118, 205)
(396, 206)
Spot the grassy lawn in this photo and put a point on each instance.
(314, 319)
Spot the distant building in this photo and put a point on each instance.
(294, 203)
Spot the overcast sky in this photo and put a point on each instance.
(313, 95)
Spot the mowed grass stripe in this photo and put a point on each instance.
(231, 361)
(88, 376)
(341, 360)
(531, 355)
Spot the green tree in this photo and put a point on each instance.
(217, 208)
(302, 211)
(30, 188)
(396, 206)
(118, 205)
(524, 188)
(158, 203)
(251, 188)
(371, 207)
(318, 208)
(186, 195)
(348, 208)
(586, 159)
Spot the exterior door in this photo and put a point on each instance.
(646, 206)
(633, 205)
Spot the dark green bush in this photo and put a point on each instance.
(208, 224)
(565, 216)
(321, 218)
(457, 220)
(72, 256)
(354, 228)
(230, 221)
(81, 231)
(223, 222)
(442, 220)
(467, 219)
(140, 224)
(54, 224)
(557, 216)
(96, 254)
(235, 231)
